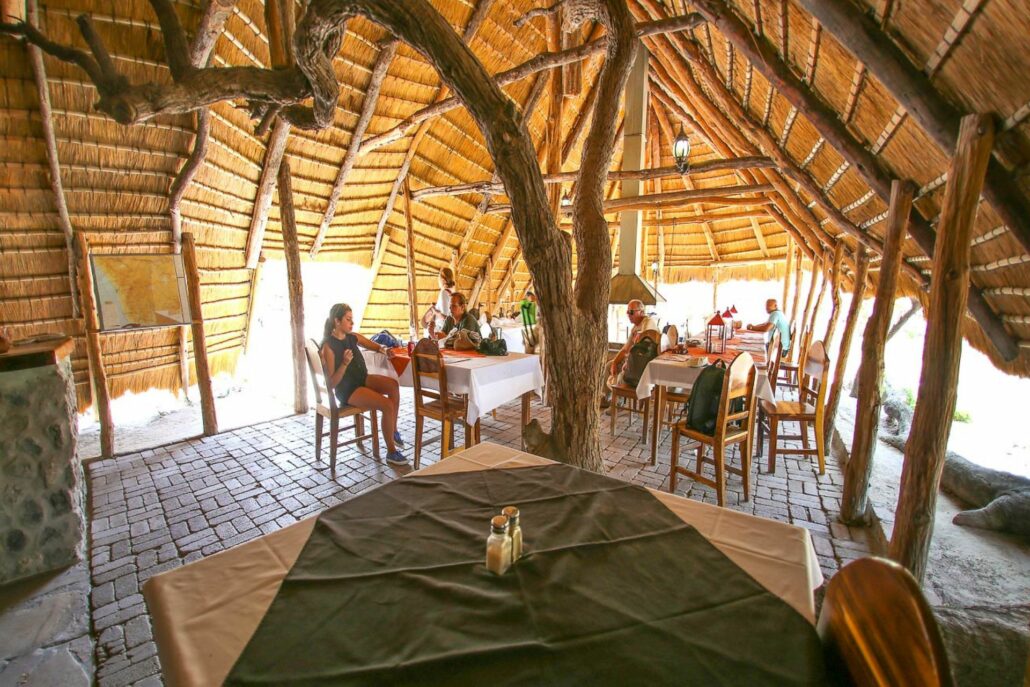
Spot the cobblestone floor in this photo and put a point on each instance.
(157, 509)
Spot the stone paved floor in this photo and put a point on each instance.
(156, 509)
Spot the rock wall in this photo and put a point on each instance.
(41, 485)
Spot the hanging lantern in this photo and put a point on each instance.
(681, 151)
(727, 318)
(736, 322)
(715, 334)
(566, 201)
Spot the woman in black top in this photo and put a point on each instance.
(350, 380)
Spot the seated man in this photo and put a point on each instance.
(641, 323)
(776, 319)
(459, 319)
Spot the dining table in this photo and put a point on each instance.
(618, 584)
(488, 381)
(680, 368)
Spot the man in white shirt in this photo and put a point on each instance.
(641, 323)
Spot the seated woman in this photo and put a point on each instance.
(458, 320)
(349, 377)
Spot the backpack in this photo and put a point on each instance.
(385, 338)
(642, 352)
(703, 406)
(493, 347)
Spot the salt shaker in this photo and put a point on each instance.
(514, 531)
(498, 546)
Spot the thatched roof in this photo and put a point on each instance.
(116, 178)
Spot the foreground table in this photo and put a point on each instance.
(205, 613)
(489, 381)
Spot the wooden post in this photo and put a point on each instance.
(802, 330)
(786, 273)
(296, 287)
(101, 395)
(207, 397)
(410, 253)
(855, 503)
(838, 259)
(255, 280)
(857, 294)
(798, 275)
(818, 299)
(895, 328)
(942, 352)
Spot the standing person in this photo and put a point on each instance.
(776, 319)
(460, 318)
(527, 309)
(349, 378)
(641, 323)
(443, 299)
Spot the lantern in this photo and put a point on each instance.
(736, 322)
(727, 318)
(681, 151)
(715, 334)
(566, 201)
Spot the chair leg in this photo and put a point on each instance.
(774, 428)
(334, 429)
(719, 457)
(319, 428)
(804, 434)
(468, 435)
(674, 460)
(700, 457)
(478, 432)
(820, 445)
(375, 434)
(445, 432)
(646, 425)
(745, 466)
(419, 420)
(359, 431)
(613, 412)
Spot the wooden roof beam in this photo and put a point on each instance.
(860, 35)
(761, 53)
(368, 108)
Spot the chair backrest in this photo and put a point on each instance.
(652, 334)
(672, 336)
(793, 340)
(815, 365)
(319, 376)
(427, 363)
(877, 627)
(738, 383)
(773, 356)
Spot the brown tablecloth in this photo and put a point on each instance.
(205, 613)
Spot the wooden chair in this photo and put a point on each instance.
(730, 428)
(635, 406)
(672, 337)
(878, 629)
(327, 408)
(789, 367)
(773, 359)
(446, 408)
(808, 409)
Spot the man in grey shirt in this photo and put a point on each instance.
(776, 319)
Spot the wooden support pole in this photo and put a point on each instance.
(818, 300)
(855, 501)
(53, 162)
(798, 274)
(410, 254)
(94, 351)
(802, 330)
(295, 283)
(255, 280)
(835, 274)
(266, 187)
(786, 273)
(857, 294)
(860, 35)
(942, 351)
(207, 397)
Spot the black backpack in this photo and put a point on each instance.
(642, 352)
(703, 406)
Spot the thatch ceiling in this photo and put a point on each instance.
(116, 178)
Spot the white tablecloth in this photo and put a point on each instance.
(671, 372)
(490, 382)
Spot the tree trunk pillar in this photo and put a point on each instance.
(942, 351)
(295, 284)
(855, 501)
(857, 294)
(410, 255)
(207, 397)
(831, 327)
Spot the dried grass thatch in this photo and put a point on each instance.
(116, 178)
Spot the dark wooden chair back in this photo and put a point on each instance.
(427, 364)
(319, 376)
(773, 356)
(813, 372)
(878, 628)
(793, 340)
(738, 382)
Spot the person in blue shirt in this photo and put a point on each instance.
(776, 319)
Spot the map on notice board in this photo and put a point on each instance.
(140, 291)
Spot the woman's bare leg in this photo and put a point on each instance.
(387, 386)
(367, 399)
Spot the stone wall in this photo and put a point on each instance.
(41, 485)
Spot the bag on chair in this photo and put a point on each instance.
(642, 352)
(463, 340)
(703, 406)
(385, 338)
